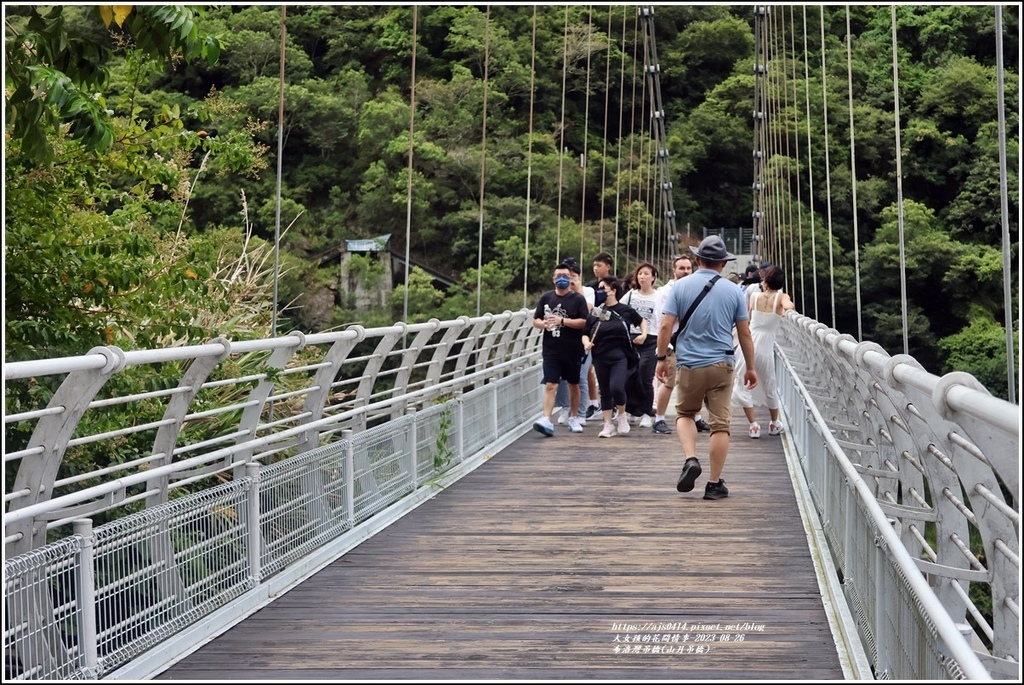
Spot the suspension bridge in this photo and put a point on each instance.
(371, 503)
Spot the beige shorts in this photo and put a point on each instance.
(708, 385)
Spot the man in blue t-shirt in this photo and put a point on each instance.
(705, 359)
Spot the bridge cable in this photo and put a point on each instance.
(586, 130)
(828, 171)
(791, 281)
(1004, 209)
(810, 169)
(853, 174)
(561, 138)
(408, 187)
(618, 158)
(796, 144)
(760, 71)
(631, 175)
(899, 183)
(774, 243)
(483, 163)
(529, 158)
(604, 149)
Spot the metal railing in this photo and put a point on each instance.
(161, 496)
(915, 481)
(239, 464)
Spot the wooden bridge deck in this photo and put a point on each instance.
(570, 557)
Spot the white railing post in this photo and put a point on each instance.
(414, 450)
(252, 471)
(87, 638)
(350, 476)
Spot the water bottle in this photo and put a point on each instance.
(555, 331)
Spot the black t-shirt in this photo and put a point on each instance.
(569, 341)
(612, 338)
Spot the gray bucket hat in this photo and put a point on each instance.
(713, 249)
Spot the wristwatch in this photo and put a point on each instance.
(661, 357)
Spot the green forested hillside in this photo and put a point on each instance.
(141, 158)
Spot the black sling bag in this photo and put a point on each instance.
(689, 312)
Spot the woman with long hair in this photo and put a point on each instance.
(644, 299)
(767, 308)
(607, 336)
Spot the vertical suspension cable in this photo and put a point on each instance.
(632, 140)
(760, 78)
(408, 187)
(604, 149)
(789, 166)
(1004, 209)
(828, 172)
(774, 123)
(586, 129)
(561, 138)
(810, 170)
(529, 159)
(899, 184)
(277, 210)
(853, 173)
(796, 144)
(618, 160)
(483, 165)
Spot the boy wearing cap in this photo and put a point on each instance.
(562, 314)
(705, 359)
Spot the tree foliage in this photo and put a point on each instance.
(167, 116)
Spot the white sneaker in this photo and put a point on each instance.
(645, 421)
(608, 431)
(562, 414)
(755, 430)
(574, 425)
(632, 419)
(622, 424)
(775, 428)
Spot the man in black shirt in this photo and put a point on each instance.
(562, 313)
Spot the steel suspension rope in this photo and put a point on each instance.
(586, 131)
(604, 149)
(796, 144)
(774, 243)
(810, 169)
(759, 184)
(408, 187)
(561, 138)
(618, 159)
(899, 183)
(828, 171)
(483, 163)
(853, 173)
(632, 142)
(791, 281)
(653, 71)
(529, 159)
(1004, 207)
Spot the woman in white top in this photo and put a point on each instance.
(767, 308)
(644, 299)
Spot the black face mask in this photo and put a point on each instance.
(600, 296)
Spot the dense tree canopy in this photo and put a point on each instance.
(138, 138)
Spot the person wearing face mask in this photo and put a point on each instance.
(562, 313)
(562, 396)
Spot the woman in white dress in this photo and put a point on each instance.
(766, 311)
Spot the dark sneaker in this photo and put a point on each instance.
(591, 410)
(702, 426)
(691, 469)
(660, 427)
(716, 490)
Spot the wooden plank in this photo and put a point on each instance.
(570, 557)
